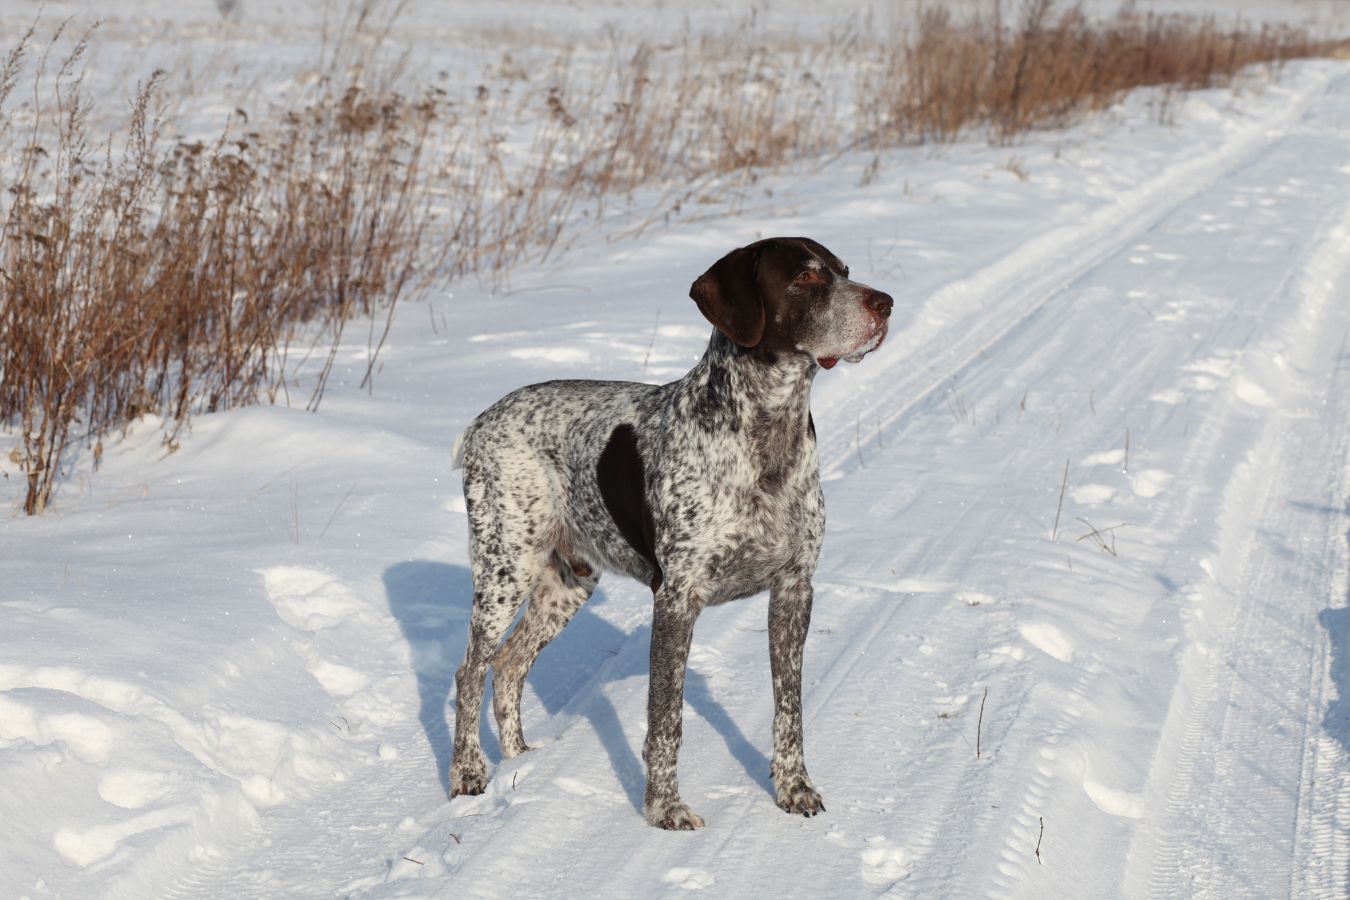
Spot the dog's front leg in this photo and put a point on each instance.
(672, 630)
(789, 617)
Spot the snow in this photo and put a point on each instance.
(224, 671)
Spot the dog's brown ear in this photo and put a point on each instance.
(728, 296)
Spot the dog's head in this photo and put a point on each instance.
(791, 295)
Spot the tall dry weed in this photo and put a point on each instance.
(1044, 65)
(170, 278)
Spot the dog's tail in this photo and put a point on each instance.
(457, 453)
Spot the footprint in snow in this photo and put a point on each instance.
(1093, 494)
(134, 788)
(338, 680)
(309, 599)
(582, 789)
(1106, 458)
(1251, 392)
(1048, 639)
(1149, 483)
(1112, 801)
(82, 736)
(884, 863)
(1210, 371)
(975, 598)
(313, 600)
(86, 847)
(688, 878)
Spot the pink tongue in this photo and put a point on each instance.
(828, 362)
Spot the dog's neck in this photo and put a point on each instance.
(753, 387)
(770, 379)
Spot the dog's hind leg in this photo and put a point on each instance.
(562, 589)
(506, 568)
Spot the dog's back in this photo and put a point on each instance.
(538, 450)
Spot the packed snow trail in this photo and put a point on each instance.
(238, 688)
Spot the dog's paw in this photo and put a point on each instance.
(468, 780)
(673, 816)
(796, 795)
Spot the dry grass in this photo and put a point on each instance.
(171, 278)
(1049, 65)
(155, 276)
(673, 118)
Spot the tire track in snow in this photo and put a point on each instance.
(1244, 761)
(1030, 280)
(1322, 835)
(1004, 333)
(1204, 459)
(1003, 297)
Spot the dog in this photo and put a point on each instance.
(706, 489)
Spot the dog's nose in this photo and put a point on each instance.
(880, 303)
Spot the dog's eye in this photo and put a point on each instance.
(810, 276)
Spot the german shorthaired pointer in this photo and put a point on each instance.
(707, 489)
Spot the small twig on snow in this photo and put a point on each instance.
(979, 725)
(1099, 536)
(857, 440)
(336, 509)
(652, 345)
(1054, 532)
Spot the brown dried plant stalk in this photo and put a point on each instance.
(1050, 64)
(165, 278)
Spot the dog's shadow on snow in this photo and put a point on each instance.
(431, 602)
(1336, 620)
(1337, 719)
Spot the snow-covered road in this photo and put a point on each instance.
(224, 673)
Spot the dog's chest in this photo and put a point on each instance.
(738, 517)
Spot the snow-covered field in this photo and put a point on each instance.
(224, 671)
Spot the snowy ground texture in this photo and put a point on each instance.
(223, 672)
